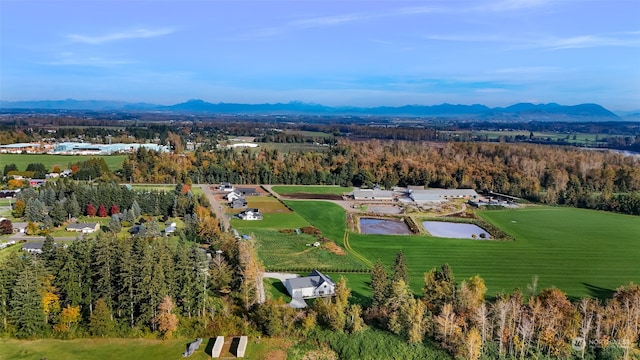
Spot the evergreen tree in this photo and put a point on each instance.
(126, 277)
(129, 216)
(137, 211)
(49, 197)
(379, 284)
(8, 168)
(58, 214)
(35, 210)
(48, 250)
(82, 254)
(114, 224)
(400, 270)
(100, 322)
(39, 170)
(27, 313)
(152, 229)
(72, 206)
(103, 268)
(10, 269)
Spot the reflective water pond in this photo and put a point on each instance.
(383, 227)
(455, 230)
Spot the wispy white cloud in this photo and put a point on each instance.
(589, 41)
(328, 20)
(70, 59)
(116, 36)
(530, 70)
(622, 39)
(512, 5)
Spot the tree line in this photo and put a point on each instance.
(552, 175)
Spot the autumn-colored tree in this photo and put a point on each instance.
(102, 211)
(69, 317)
(18, 208)
(471, 349)
(6, 227)
(166, 321)
(50, 300)
(91, 210)
(15, 184)
(115, 209)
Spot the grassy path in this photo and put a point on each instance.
(357, 255)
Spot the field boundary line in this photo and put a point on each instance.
(357, 255)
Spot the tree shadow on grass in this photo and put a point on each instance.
(599, 292)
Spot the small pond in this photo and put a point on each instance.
(455, 230)
(383, 227)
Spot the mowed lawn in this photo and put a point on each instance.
(325, 215)
(88, 349)
(582, 252)
(116, 349)
(23, 160)
(295, 189)
(290, 251)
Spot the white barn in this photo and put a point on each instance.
(315, 285)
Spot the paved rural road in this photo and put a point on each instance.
(215, 206)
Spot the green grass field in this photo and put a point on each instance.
(277, 250)
(293, 189)
(582, 252)
(116, 349)
(23, 160)
(326, 216)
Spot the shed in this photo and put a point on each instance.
(217, 347)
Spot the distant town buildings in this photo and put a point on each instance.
(77, 148)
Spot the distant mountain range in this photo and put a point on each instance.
(517, 112)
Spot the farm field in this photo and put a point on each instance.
(326, 216)
(266, 204)
(277, 251)
(295, 189)
(582, 252)
(270, 221)
(23, 160)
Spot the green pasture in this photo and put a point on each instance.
(278, 250)
(582, 252)
(326, 216)
(312, 134)
(325, 189)
(116, 349)
(23, 160)
(579, 138)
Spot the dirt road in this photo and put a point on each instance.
(215, 206)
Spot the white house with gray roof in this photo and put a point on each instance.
(85, 228)
(315, 285)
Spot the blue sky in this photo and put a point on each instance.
(359, 52)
